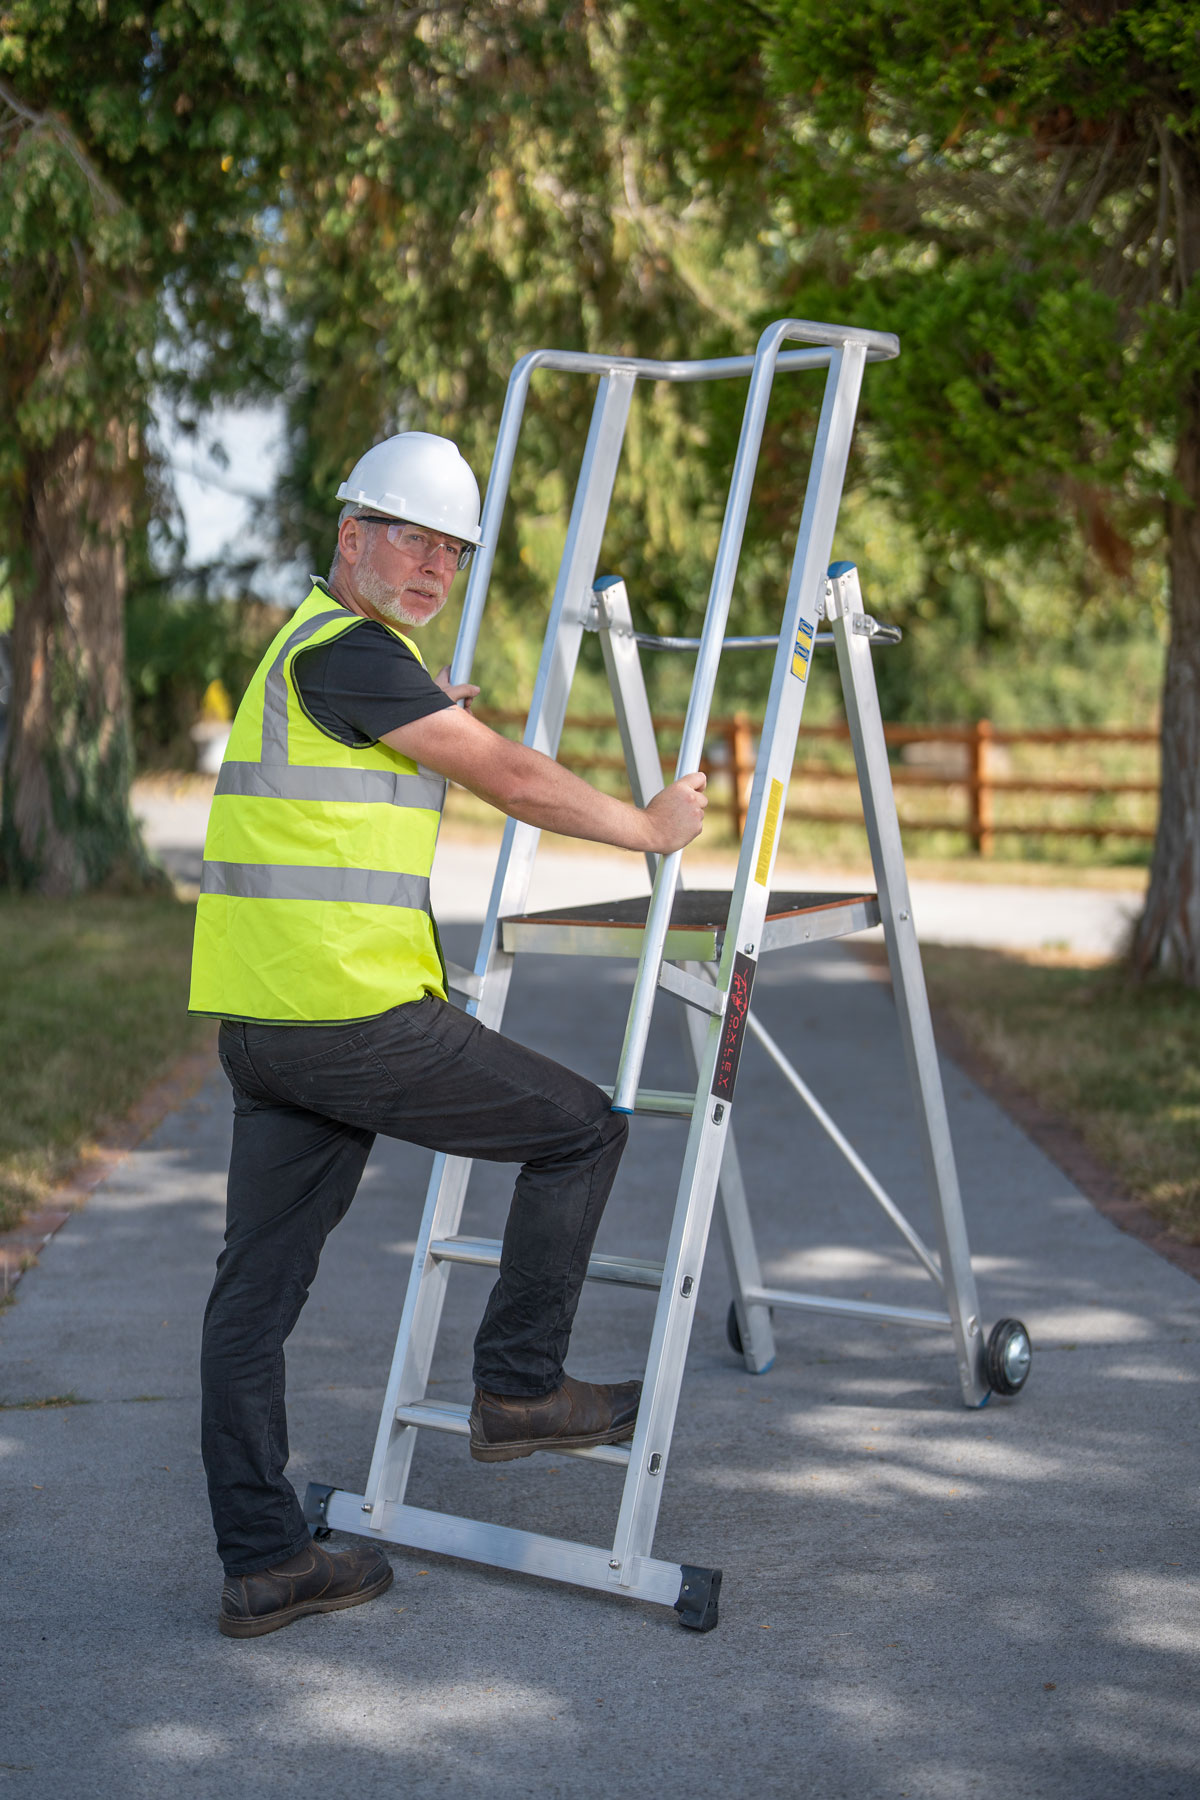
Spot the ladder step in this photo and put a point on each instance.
(622, 1271)
(445, 1415)
(697, 928)
(660, 1101)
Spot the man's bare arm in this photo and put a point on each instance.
(531, 787)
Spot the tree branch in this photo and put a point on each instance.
(59, 129)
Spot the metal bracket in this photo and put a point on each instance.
(689, 988)
(698, 1594)
(316, 1509)
(863, 625)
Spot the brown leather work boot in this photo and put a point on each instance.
(311, 1582)
(574, 1417)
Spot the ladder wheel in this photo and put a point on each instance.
(733, 1331)
(1009, 1355)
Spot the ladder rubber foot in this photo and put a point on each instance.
(627, 1110)
(697, 1602)
(316, 1499)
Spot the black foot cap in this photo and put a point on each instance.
(316, 1497)
(697, 1602)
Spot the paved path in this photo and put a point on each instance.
(1090, 921)
(919, 1600)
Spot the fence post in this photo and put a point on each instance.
(740, 738)
(980, 789)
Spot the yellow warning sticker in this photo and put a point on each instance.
(774, 803)
(803, 650)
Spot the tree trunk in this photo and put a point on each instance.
(1167, 941)
(66, 825)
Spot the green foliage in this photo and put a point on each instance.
(1007, 186)
(495, 192)
(139, 147)
(175, 645)
(663, 176)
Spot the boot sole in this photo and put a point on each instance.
(483, 1452)
(248, 1628)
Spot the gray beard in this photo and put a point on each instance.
(386, 599)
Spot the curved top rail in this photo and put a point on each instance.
(881, 346)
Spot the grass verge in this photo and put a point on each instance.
(1118, 1063)
(93, 999)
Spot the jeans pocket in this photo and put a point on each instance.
(345, 1080)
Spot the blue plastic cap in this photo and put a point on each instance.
(627, 1110)
(836, 569)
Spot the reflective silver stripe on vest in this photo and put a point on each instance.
(280, 881)
(275, 706)
(333, 786)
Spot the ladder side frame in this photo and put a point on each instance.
(649, 1453)
(908, 978)
(416, 1337)
(635, 722)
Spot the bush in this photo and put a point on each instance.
(175, 647)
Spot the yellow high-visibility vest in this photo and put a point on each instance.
(314, 900)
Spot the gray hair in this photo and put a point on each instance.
(351, 510)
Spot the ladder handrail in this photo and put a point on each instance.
(881, 346)
(737, 507)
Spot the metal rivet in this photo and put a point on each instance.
(718, 1114)
(748, 949)
(367, 1507)
(655, 1463)
(904, 916)
(688, 1285)
(614, 1562)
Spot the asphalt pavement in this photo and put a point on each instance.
(919, 1600)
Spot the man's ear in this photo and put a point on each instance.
(351, 539)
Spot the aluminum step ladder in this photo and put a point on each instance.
(701, 948)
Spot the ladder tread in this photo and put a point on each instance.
(453, 1417)
(697, 928)
(623, 1271)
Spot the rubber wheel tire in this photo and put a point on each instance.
(1003, 1377)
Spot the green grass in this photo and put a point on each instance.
(1119, 1062)
(93, 998)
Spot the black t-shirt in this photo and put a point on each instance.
(363, 684)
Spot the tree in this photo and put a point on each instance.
(141, 147)
(494, 191)
(1015, 188)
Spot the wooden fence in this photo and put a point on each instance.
(978, 780)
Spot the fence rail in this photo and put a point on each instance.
(733, 743)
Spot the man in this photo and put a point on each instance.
(316, 948)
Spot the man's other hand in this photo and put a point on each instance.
(677, 813)
(463, 691)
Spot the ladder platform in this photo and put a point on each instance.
(484, 1253)
(697, 929)
(452, 1417)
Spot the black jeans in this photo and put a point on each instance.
(308, 1104)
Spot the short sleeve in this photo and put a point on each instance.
(364, 684)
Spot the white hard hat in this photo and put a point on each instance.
(418, 477)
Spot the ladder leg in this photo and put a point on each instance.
(415, 1340)
(636, 725)
(737, 1233)
(908, 979)
(673, 1316)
